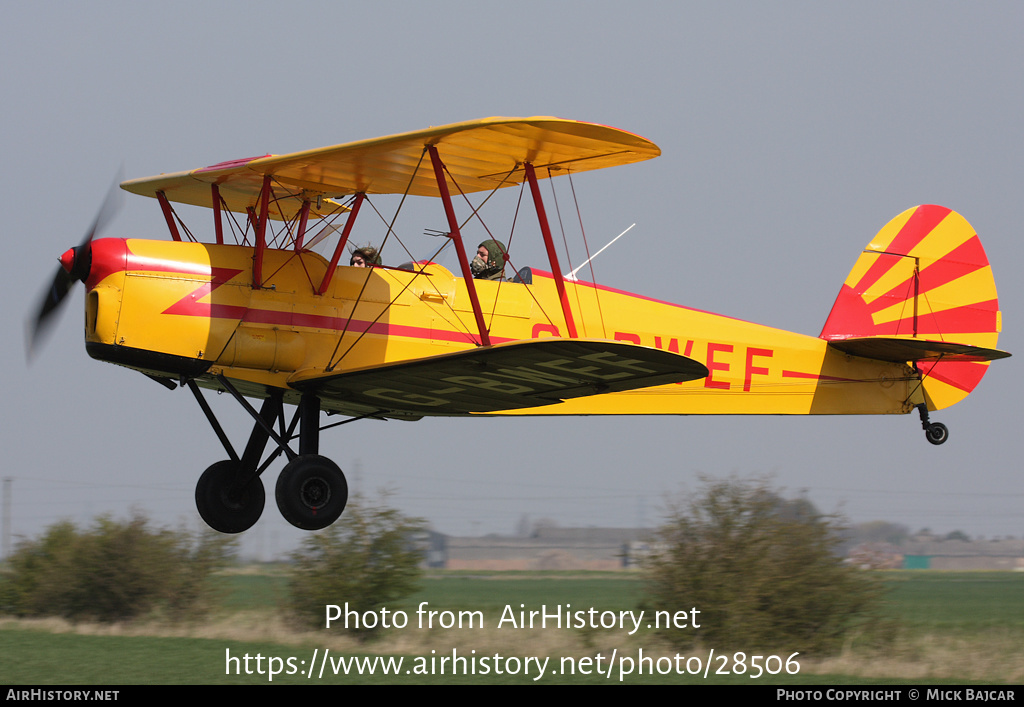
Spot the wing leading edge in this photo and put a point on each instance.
(508, 376)
(479, 155)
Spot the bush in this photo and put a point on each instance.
(762, 571)
(114, 571)
(367, 559)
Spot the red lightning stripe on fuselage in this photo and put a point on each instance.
(191, 306)
(115, 256)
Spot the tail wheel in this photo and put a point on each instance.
(936, 432)
(311, 492)
(225, 501)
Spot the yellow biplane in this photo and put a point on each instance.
(266, 317)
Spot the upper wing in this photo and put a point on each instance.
(479, 155)
(239, 188)
(519, 374)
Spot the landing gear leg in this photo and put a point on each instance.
(311, 491)
(935, 432)
(230, 495)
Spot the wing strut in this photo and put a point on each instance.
(261, 234)
(303, 221)
(165, 206)
(545, 230)
(456, 236)
(218, 223)
(339, 249)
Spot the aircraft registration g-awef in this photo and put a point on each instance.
(914, 326)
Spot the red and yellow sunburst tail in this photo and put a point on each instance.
(924, 278)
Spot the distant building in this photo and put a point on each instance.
(960, 555)
(549, 549)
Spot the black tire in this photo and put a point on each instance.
(226, 506)
(311, 492)
(937, 433)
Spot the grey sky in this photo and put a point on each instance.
(791, 133)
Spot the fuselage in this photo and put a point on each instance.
(174, 308)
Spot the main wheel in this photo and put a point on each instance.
(937, 433)
(311, 492)
(224, 503)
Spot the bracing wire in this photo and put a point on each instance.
(331, 362)
(590, 259)
(568, 256)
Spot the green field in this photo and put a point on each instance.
(944, 627)
(958, 603)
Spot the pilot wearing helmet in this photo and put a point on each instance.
(489, 262)
(365, 257)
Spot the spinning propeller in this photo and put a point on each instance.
(74, 267)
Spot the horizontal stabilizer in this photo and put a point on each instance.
(509, 376)
(900, 350)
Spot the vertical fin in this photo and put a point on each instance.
(925, 275)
